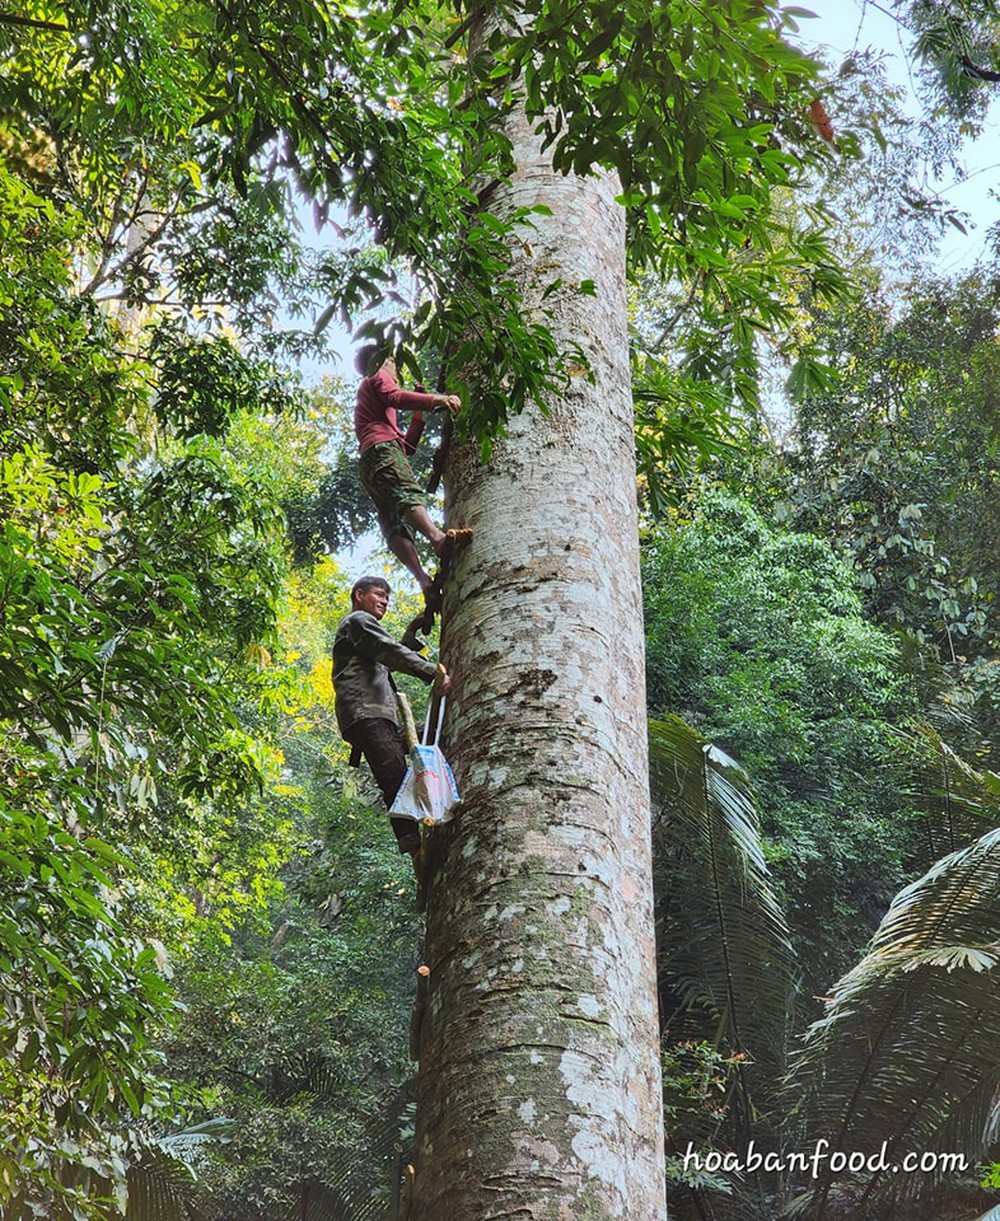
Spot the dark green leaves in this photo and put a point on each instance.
(724, 942)
(906, 1050)
(676, 102)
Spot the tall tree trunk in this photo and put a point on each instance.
(539, 1073)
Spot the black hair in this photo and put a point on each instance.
(363, 584)
(369, 358)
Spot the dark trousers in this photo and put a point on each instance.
(381, 743)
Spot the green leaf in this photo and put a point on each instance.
(715, 943)
(925, 982)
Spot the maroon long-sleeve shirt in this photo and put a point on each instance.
(379, 398)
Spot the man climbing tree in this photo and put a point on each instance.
(363, 655)
(385, 471)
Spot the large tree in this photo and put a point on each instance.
(539, 1084)
(539, 1073)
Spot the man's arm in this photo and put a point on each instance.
(372, 640)
(412, 400)
(413, 433)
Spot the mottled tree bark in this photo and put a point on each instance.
(539, 1071)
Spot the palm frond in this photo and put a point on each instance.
(159, 1187)
(160, 1181)
(959, 802)
(308, 1073)
(724, 941)
(348, 1192)
(906, 1052)
(187, 1145)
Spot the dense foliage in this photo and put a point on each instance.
(206, 940)
(897, 462)
(132, 587)
(755, 635)
(297, 1011)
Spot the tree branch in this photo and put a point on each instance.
(33, 23)
(983, 74)
(141, 249)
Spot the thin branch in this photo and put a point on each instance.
(170, 302)
(107, 246)
(139, 252)
(33, 23)
(463, 26)
(983, 74)
(678, 313)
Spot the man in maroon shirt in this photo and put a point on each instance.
(385, 471)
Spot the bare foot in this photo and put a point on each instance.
(451, 542)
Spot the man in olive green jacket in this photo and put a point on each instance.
(365, 697)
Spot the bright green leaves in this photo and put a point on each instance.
(78, 996)
(88, 610)
(677, 101)
(53, 529)
(60, 366)
(704, 345)
(137, 570)
(39, 501)
(757, 636)
(680, 423)
(204, 383)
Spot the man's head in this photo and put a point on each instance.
(371, 594)
(372, 357)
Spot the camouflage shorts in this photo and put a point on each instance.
(389, 481)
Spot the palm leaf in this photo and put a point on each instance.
(160, 1181)
(159, 1187)
(348, 1192)
(907, 1050)
(724, 942)
(188, 1145)
(959, 803)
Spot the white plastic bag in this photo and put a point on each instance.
(428, 793)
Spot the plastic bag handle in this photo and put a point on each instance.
(427, 721)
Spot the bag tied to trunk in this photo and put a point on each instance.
(428, 793)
